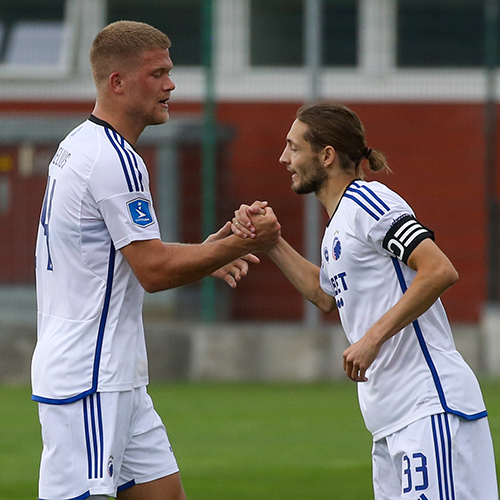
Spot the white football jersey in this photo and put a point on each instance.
(418, 372)
(90, 332)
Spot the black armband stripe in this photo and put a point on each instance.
(404, 236)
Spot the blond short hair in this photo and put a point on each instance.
(123, 40)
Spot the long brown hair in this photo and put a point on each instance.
(332, 124)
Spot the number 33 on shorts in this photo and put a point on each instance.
(441, 456)
(415, 473)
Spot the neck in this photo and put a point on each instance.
(127, 128)
(331, 193)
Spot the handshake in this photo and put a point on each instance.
(248, 220)
(255, 229)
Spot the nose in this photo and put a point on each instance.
(284, 157)
(170, 85)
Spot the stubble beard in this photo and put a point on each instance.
(315, 181)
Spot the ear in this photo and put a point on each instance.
(328, 156)
(115, 82)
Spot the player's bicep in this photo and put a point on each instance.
(427, 255)
(433, 267)
(144, 257)
(404, 236)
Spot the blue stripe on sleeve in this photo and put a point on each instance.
(120, 156)
(126, 153)
(362, 205)
(365, 197)
(366, 188)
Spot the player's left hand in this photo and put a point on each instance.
(358, 358)
(233, 272)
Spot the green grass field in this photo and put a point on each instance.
(236, 441)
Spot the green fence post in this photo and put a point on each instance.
(209, 155)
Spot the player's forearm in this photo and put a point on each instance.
(161, 266)
(303, 275)
(185, 264)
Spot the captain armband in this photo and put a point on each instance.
(404, 236)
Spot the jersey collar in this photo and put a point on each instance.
(103, 123)
(336, 208)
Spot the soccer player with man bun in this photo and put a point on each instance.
(98, 249)
(382, 271)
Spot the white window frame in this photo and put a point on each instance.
(375, 79)
(48, 70)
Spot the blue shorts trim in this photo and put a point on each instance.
(126, 486)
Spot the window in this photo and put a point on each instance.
(179, 19)
(31, 32)
(440, 33)
(340, 23)
(277, 32)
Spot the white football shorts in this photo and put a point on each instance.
(102, 444)
(440, 457)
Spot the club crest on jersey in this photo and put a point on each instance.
(336, 249)
(140, 212)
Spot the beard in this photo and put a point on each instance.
(314, 181)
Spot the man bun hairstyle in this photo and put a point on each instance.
(335, 125)
(121, 40)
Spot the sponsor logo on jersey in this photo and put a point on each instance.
(336, 249)
(140, 212)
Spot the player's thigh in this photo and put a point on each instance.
(165, 488)
(78, 438)
(386, 482)
(474, 461)
(148, 455)
(444, 456)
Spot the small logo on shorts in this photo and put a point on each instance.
(110, 466)
(140, 212)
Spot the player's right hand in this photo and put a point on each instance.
(241, 224)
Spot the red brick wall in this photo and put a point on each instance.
(436, 152)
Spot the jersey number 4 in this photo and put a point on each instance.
(45, 217)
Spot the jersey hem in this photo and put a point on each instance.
(377, 436)
(72, 399)
(62, 401)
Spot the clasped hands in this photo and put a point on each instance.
(242, 223)
(269, 231)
